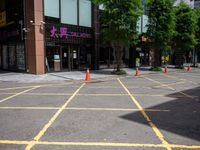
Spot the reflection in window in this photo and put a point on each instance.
(85, 13)
(69, 12)
(51, 8)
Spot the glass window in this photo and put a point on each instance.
(69, 12)
(51, 8)
(85, 16)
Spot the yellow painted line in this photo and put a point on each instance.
(15, 88)
(153, 126)
(102, 144)
(73, 108)
(177, 83)
(183, 79)
(48, 94)
(105, 144)
(31, 108)
(14, 142)
(42, 85)
(186, 95)
(185, 146)
(102, 94)
(5, 99)
(114, 109)
(51, 121)
(159, 83)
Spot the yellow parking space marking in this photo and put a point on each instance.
(14, 142)
(100, 144)
(152, 125)
(186, 95)
(185, 146)
(159, 83)
(49, 94)
(73, 108)
(87, 94)
(51, 121)
(181, 79)
(177, 83)
(5, 99)
(42, 85)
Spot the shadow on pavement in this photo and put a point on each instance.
(182, 120)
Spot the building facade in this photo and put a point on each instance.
(40, 36)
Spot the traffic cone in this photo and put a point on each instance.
(189, 69)
(166, 70)
(87, 78)
(137, 72)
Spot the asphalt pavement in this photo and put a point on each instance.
(153, 111)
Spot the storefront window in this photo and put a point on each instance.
(51, 8)
(85, 16)
(69, 12)
(20, 57)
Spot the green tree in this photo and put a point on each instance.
(197, 48)
(161, 27)
(118, 20)
(186, 26)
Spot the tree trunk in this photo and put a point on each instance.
(118, 53)
(157, 61)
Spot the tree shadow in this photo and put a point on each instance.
(183, 118)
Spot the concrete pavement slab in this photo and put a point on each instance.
(45, 147)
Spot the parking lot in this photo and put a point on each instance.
(150, 112)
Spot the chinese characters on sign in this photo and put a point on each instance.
(63, 33)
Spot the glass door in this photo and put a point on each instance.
(74, 58)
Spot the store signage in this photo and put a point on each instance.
(64, 33)
(3, 18)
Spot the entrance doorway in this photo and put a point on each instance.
(70, 55)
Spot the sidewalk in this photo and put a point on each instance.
(62, 76)
(69, 76)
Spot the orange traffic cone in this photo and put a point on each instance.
(87, 78)
(189, 69)
(166, 70)
(137, 72)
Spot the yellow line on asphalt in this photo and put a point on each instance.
(73, 108)
(115, 109)
(186, 95)
(14, 142)
(103, 144)
(87, 94)
(185, 146)
(177, 83)
(42, 85)
(159, 83)
(51, 121)
(153, 126)
(5, 99)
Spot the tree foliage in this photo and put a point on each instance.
(197, 13)
(186, 27)
(161, 26)
(118, 20)
(161, 22)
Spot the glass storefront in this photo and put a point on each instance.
(12, 57)
(67, 57)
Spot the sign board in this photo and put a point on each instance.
(3, 18)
